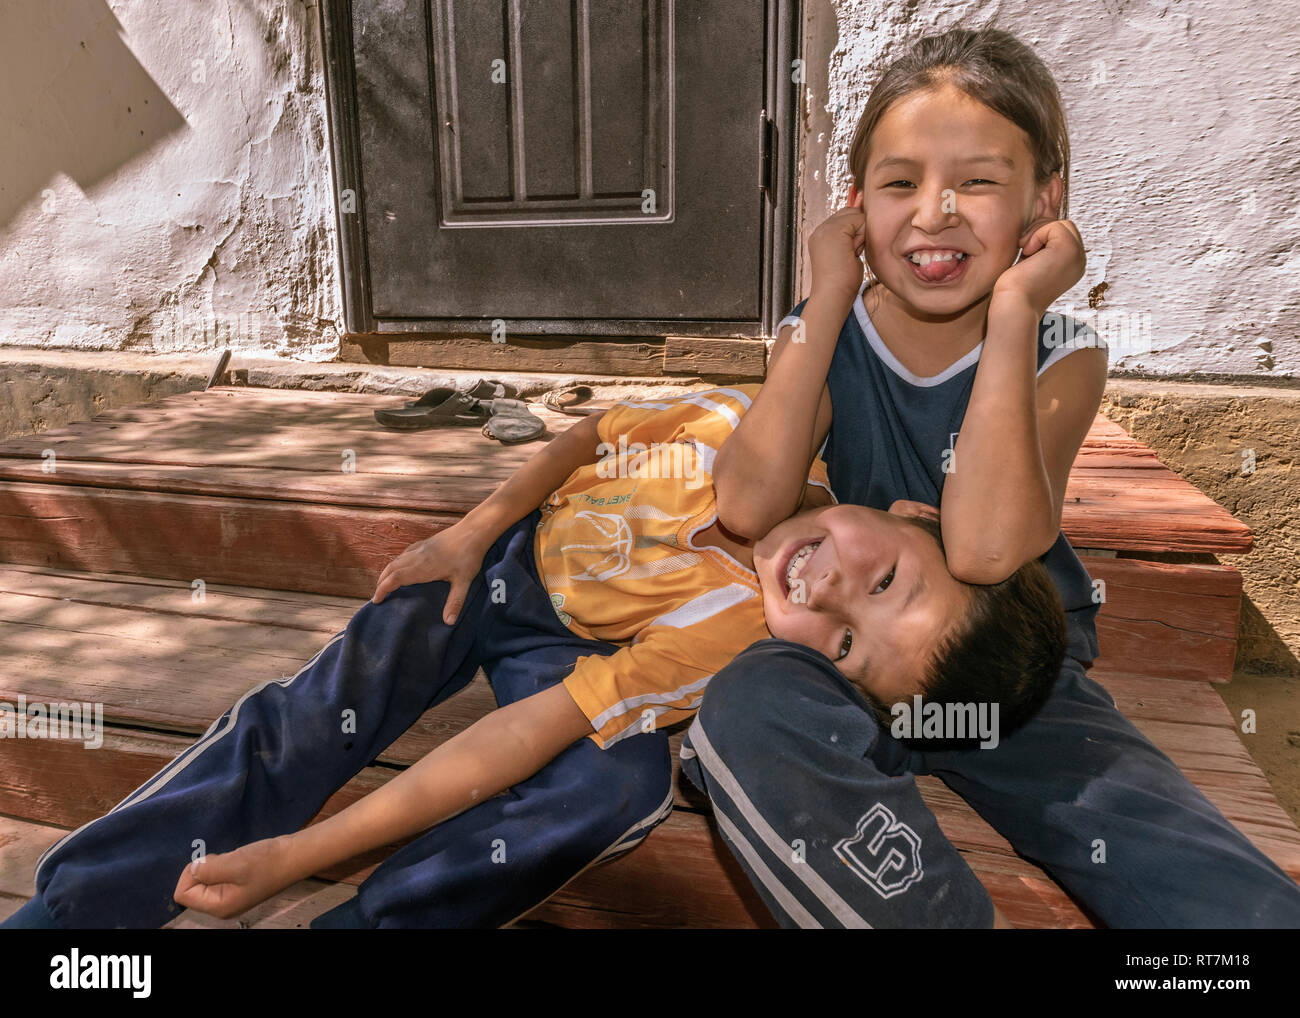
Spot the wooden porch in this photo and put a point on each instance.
(246, 489)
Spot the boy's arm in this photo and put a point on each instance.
(455, 554)
(760, 471)
(500, 750)
(529, 486)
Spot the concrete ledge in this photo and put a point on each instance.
(50, 388)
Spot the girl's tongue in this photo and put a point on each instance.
(937, 269)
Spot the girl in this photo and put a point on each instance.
(960, 162)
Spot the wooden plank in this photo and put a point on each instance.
(219, 648)
(1180, 621)
(325, 614)
(288, 445)
(457, 488)
(732, 359)
(1027, 896)
(1136, 511)
(58, 782)
(450, 491)
(131, 645)
(127, 759)
(264, 430)
(249, 542)
(681, 876)
(1156, 698)
(640, 357)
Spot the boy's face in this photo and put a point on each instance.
(867, 586)
(945, 195)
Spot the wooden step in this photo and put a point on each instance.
(292, 446)
(1179, 621)
(164, 666)
(247, 487)
(107, 524)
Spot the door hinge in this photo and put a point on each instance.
(766, 143)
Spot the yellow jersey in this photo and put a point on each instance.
(615, 552)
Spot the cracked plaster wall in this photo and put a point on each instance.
(1184, 161)
(171, 185)
(168, 185)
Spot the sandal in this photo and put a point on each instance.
(510, 428)
(446, 406)
(566, 401)
(437, 408)
(492, 388)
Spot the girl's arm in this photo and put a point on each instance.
(498, 751)
(761, 471)
(1002, 502)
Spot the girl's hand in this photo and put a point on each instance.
(1052, 260)
(455, 554)
(834, 250)
(228, 884)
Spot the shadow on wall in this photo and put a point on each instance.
(76, 100)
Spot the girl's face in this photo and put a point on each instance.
(945, 174)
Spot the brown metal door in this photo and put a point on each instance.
(561, 166)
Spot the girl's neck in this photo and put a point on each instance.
(925, 344)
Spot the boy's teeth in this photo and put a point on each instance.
(797, 562)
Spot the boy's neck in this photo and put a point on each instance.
(717, 536)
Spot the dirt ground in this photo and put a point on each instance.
(1275, 744)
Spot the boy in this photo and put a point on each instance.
(603, 614)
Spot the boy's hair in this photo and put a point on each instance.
(991, 66)
(1007, 649)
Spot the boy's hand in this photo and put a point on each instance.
(1052, 260)
(228, 884)
(455, 554)
(834, 250)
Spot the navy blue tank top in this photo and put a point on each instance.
(891, 428)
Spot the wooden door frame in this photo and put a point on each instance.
(783, 19)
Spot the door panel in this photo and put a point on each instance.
(556, 161)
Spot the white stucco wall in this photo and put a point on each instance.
(167, 183)
(1184, 160)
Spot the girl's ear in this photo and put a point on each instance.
(906, 507)
(1048, 206)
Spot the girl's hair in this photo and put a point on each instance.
(994, 68)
